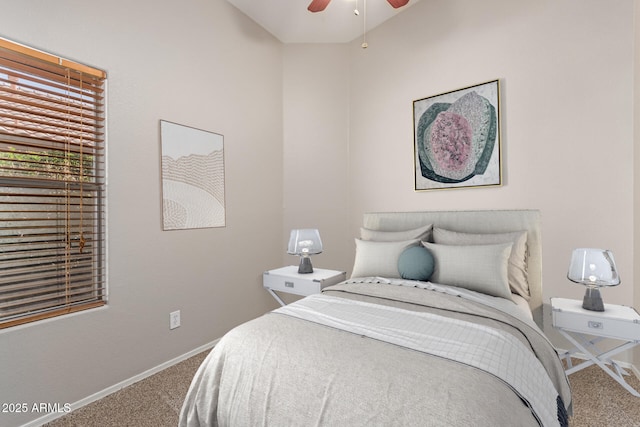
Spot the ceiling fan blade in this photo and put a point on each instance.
(398, 3)
(318, 5)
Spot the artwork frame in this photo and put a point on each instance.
(457, 141)
(193, 177)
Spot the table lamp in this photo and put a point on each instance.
(305, 242)
(593, 268)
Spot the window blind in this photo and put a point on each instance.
(52, 185)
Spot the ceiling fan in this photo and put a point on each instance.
(320, 5)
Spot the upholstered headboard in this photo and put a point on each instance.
(493, 221)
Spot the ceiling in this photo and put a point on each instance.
(291, 22)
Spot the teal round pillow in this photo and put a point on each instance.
(416, 263)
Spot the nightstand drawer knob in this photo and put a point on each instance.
(595, 325)
(288, 284)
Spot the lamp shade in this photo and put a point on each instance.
(304, 242)
(593, 267)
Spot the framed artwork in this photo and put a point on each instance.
(192, 177)
(457, 138)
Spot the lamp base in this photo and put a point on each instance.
(305, 266)
(592, 300)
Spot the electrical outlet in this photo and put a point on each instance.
(174, 319)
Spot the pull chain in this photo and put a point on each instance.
(364, 30)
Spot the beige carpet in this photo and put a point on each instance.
(599, 401)
(155, 401)
(152, 402)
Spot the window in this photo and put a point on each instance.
(52, 186)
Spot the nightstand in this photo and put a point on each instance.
(288, 280)
(585, 328)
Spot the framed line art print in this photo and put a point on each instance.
(457, 138)
(192, 177)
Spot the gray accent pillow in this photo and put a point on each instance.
(416, 263)
(379, 258)
(422, 233)
(480, 268)
(517, 269)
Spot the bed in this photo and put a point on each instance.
(438, 325)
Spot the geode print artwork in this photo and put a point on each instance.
(192, 177)
(457, 138)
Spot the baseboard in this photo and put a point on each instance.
(116, 387)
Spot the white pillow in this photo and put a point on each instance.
(379, 258)
(517, 268)
(480, 268)
(422, 233)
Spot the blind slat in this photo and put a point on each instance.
(51, 301)
(29, 144)
(13, 79)
(66, 102)
(52, 186)
(17, 294)
(47, 314)
(34, 54)
(54, 109)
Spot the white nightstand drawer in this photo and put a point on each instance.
(616, 321)
(292, 285)
(287, 279)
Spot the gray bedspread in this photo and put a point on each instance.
(279, 370)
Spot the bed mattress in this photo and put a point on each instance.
(287, 368)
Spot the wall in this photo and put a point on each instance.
(566, 71)
(316, 143)
(200, 63)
